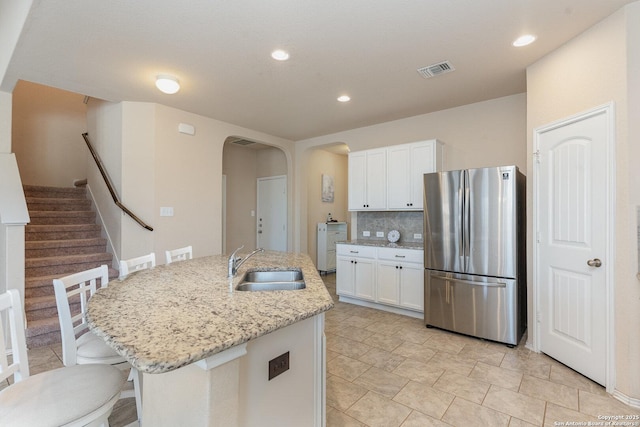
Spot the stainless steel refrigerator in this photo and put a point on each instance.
(475, 259)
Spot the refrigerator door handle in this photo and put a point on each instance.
(466, 224)
(469, 282)
(461, 219)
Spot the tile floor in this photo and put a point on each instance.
(389, 370)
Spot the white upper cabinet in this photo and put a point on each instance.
(367, 180)
(407, 163)
(400, 181)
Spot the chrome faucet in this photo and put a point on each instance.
(235, 262)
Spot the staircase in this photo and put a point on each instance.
(61, 239)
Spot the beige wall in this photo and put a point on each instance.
(323, 162)
(153, 166)
(239, 165)
(104, 125)
(486, 133)
(599, 66)
(47, 128)
(6, 106)
(270, 162)
(243, 166)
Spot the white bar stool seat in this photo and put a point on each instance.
(80, 395)
(63, 397)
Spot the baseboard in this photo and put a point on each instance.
(389, 308)
(630, 401)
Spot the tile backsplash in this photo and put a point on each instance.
(407, 223)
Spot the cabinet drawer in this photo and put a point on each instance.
(403, 255)
(356, 251)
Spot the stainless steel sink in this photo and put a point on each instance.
(272, 280)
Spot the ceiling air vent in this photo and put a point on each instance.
(241, 141)
(435, 69)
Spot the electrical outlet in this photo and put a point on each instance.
(366, 233)
(379, 233)
(278, 365)
(417, 236)
(166, 211)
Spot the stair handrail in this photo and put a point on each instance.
(107, 181)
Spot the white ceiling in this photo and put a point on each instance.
(220, 51)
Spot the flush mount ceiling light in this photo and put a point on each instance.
(280, 55)
(524, 40)
(167, 84)
(344, 98)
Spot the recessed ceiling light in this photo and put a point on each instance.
(280, 55)
(167, 84)
(524, 40)
(344, 98)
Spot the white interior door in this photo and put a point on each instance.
(572, 230)
(272, 213)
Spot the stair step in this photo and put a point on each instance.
(61, 239)
(62, 217)
(65, 265)
(43, 332)
(62, 232)
(39, 286)
(44, 307)
(57, 204)
(47, 248)
(55, 192)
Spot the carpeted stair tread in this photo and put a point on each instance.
(61, 232)
(43, 326)
(103, 257)
(58, 244)
(62, 238)
(54, 192)
(54, 204)
(38, 286)
(47, 248)
(62, 217)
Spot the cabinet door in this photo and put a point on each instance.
(364, 279)
(422, 160)
(398, 177)
(412, 286)
(357, 181)
(388, 291)
(376, 179)
(344, 276)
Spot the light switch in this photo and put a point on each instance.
(166, 211)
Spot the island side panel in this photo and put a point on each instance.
(192, 396)
(295, 397)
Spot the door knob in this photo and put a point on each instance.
(594, 262)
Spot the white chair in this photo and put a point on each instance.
(180, 254)
(136, 264)
(79, 345)
(81, 395)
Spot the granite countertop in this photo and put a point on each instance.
(176, 314)
(385, 244)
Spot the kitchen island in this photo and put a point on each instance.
(204, 348)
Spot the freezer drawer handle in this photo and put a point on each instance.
(469, 282)
(400, 256)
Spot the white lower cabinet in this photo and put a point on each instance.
(389, 277)
(355, 271)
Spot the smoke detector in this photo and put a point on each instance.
(435, 69)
